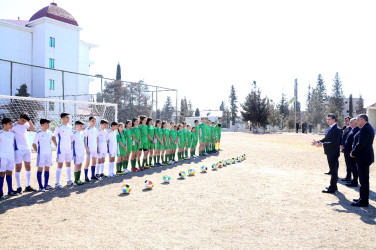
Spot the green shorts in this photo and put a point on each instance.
(194, 144)
(145, 145)
(135, 146)
(202, 139)
(129, 148)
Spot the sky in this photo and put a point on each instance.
(202, 47)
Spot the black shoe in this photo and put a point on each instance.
(87, 180)
(19, 190)
(356, 200)
(346, 179)
(329, 191)
(29, 189)
(328, 173)
(335, 189)
(94, 178)
(1, 196)
(13, 193)
(351, 185)
(358, 204)
(103, 176)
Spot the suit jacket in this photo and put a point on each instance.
(332, 140)
(363, 145)
(350, 140)
(345, 133)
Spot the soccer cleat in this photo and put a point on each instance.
(87, 180)
(29, 189)
(78, 183)
(103, 176)
(42, 190)
(146, 167)
(171, 162)
(98, 177)
(1, 196)
(151, 165)
(135, 170)
(70, 183)
(58, 186)
(48, 187)
(19, 190)
(13, 193)
(206, 154)
(127, 171)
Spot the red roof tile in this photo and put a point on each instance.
(54, 12)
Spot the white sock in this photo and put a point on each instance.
(69, 174)
(58, 173)
(18, 179)
(102, 168)
(98, 168)
(111, 168)
(28, 174)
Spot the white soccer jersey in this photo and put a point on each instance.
(63, 135)
(112, 142)
(78, 143)
(102, 141)
(91, 135)
(7, 143)
(21, 136)
(43, 141)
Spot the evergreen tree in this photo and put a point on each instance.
(159, 114)
(197, 113)
(317, 103)
(336, 102)
(255, 108)
(274, 117)
(283, 108)
(222, 107)
(167, 110)
(184, 110)
(16, 104)
(351, 106)
(226, 118)
(22, 91)
(190, 109)
(360, 107)
(233, 105)
(118, 72)
(309, 94)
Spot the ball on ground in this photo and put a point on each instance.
(126, 188)
(204, 169)
(149, 184)
(191, 172)
(182, 174)
(166, 178)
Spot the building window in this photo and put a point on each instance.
(52, 63)
(52, 84)
(52, 42)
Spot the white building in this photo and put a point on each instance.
(51, 38)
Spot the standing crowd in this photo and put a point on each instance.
(140, 141)
(355, 140)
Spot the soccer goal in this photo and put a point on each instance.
(37, 108)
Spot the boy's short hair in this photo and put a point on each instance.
(114, 124)
(64, 114)
(91, 118)
(25, 116)
(43, 121)
(104, 121)
(78, 123)
(6, 121)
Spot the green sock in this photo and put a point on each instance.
(78, 175)
(139, 163)
(75, 176)
(150, 160)
(155, 159)
(125, 164)
(158, 158)
(133, 163)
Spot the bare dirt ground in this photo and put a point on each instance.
(271, 200)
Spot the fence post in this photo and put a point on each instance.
(11, 78)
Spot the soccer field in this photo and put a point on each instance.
(271, 200)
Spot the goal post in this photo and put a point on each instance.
(37, 108)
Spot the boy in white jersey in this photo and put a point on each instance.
(102, 148)
(91, 148)
(78, 146)
(7, 156)
(63, 145)
(22, 150)
(42, 145)
(112, 148)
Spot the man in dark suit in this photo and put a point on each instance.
(347, 150)
(346, 130)
(362, 151)
(331, 143)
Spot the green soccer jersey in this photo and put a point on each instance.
(189, 138)
(159, 133)
(173, 134)
(166, 133)
(181, 138)
(144, 133)
(136, 132)
(151, 132)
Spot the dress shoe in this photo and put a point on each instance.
(329, 191)
(358, 204)
(346, 179)
(356, 200)
(328, 173)
(351, 185)
(335, 189)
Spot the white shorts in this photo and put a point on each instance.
(111, 154)
(44, 160)
(6, 164)
(22, 155)
(102, 155)
(93, 153)
(64, 158)
(78, 159)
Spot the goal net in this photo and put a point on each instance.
(37, 108)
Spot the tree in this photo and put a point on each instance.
(222, 107)
(184, 110)
(167, 110)
(118, 72)
(22, 91)
(360, 107)
(351, 106)
(283, 108)
(17, 106)
(226, 117)
(316, 107)
(255, 108)
(159, 114)
(336, 102)
(274, 117)
(197, 113)
(190, 109)
(233, 105)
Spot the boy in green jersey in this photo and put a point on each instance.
(194, 142)
(158, 142)
(121, 149)
(149, 123)
(136, 145)
(144, 141)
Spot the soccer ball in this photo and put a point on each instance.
(233, 161)
(214, 166)
(204, 169)
(126, 188)
(182, 174)
(149, 184)
(238, 159)
(224, 164)
(228, 162)
(166, 178)
(191, 172)
(243, 157)
(219, 164)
